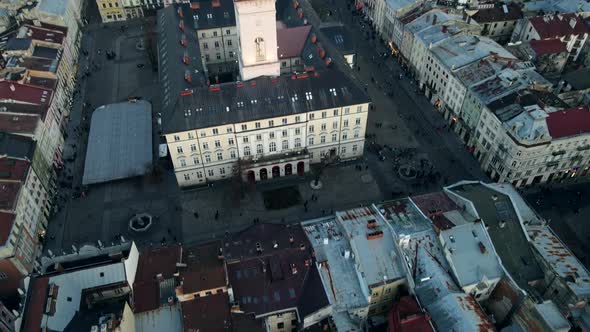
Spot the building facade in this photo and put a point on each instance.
(111, 10)
(498, 20)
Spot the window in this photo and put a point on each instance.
(218, 56)
(335, 112)
(214, 33)
(259, 149)
(217, 144)
(357, 121)
(179, 149)
(359, 109)
(344, 136)
(347, 110)
(196, 160)
(311, 141)
(207, 158)
(206, 57)
(245, 139)
(271, 135)
(323, 127)
(284, 121)
(230, 130)
(244, 127)
(259, 137)
(193, 147)
(311, 116)
(356, 134)
(323, 115)
(176, 138)
(334, 137)
(311, 128)
(345, 123)
(297, 131)
(203, 134)
(343, 149)
(246, 151)
(257, 125)
(227, 32)
(298, 119)
(205, 146)
(182, 163)
(219, 156)
(272, 147)
(285, 145)
(232, 154)
(191, 136)
(187, 177)
(283, 64)
(222, 171)
(280, 325)
(230, 141)
(210, 172)
(354, 148)
(205, 46)
(271, 123)
(203, 35)
(322, 139)
(284, 133)
(231, 54)
(298, 142)
(335, 125)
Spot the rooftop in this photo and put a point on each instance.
(551, 26)
(529, 126)
(204, 270)
(6, 222)
(8, 194)
(499, 85)
(16, 146)
(153, 262)
(548, 46)
(431, 35)
(339, 275)
(570, 122)
(341, 37)
(472, 254)
(559, 6)
(166, 318)
(270, 268)
(578, 79)
(404, 217)
(19, 124)
(561, 259)
(461, 50)
(35, 304)
(69, 291)
(13, 169)
(376, 256)
(290, 41)
(504, 227)
(119, 142)
(44, 34)
(551, 315)
(53, 7)
(262, 98)
(210, 14)
(477, 71)
(18, 44)
(498, 13)
(407, 316)
(208, 313)
(449, 307)
(439, 208)
(24, 93)
(427, 19)
(45, 52)
(396, 5)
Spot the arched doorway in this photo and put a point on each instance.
(288, 169)
(300, 168)
(251, 177)
(276, 172)
(263, 174)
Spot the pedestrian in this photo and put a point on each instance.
(216, 215)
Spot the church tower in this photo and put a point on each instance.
(257, 33)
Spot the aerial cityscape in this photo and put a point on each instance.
(294, 165)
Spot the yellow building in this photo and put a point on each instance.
(111, 10)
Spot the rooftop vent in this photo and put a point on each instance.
(374, 235)
(482, 247)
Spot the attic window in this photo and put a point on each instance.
(294, 98)
(226, 14)
(254, 101)
(308, 96)
(209, 16)
(281, 97)
(240, 104)
(333, 91)
(102, 274)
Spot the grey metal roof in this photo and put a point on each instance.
(209, 17)
(18, 44)
(341, 38)
(16, 146)
(262, 98)
(119, 143)
(579, 79)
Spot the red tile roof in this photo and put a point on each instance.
(146, 288)
(19, 124)
(497, 14)
(35, 306)
(204, 268)
(406, 316)
(13, 169)
(554, 26)
(25, 93)
(6, 222)
(46, 34)
(548, 46)
(570, 122)
(209, 313)
(291, 41)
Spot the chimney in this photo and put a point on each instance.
(573, 22)
(434, 20)
(444, 29)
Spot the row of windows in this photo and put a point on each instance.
(216, 44)
(104, 5)
(210, 172)
(204, 35)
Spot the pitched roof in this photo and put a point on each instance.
(208, 313)
(551, 26)
(146, 288)
(570, 122)
(210, 14)
(35, 305)
(16, 146)
(25, 93)
(498, 13)
(261, 98)
(6, 222)
(18, 44)
(204, 269)
(18, 124)
(290, 41)
(407, 316)
(548, 46)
